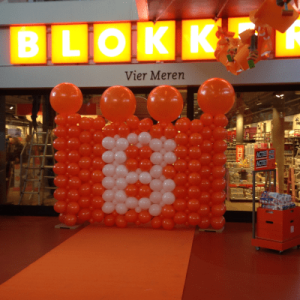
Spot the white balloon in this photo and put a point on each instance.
(108, 157)
(138, 171)
(120, 196)
(132, 138)
(156, 171)
(156, 185)
(168, 198)
(115, 202)
(156, 197)
(114, 189)
(155, 210)
(163, 151)
(156, 158)
(144, 203)
(132, 177)
(108, 183)
(121, 208)
(162, 178)
(122, 144)
(169, 185)
(169, 145)
(163, 164)
(138, 209)
(131, 202)
(139, 145)
(163, 139)
(120, 157)
(116, 164)
(155, 144)
(145, 178)
(109, 170)
(116, 137)
(108, 207)
(108, 195)
(144, 138)
(114, 150)
(121, 171)
(121, 183)
(115, 176)
(170, 158)
(108, 143)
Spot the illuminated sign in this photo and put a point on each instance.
(112, 42)
(288, 43)
(238, 25)
(199, 39)
(28, 45)
(69, 43)
(156, 42)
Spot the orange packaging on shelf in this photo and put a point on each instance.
(278, 225)
(271, 14)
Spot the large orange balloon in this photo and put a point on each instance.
(216, 96)
(165, 103)
(117, 103)
(66, 98)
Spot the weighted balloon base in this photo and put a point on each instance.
(64, 226)
(212, 230)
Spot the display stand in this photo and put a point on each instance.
(276, 233)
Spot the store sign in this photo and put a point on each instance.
(199, 39)
(264, 159)
(238, 25)
(111, 42)
(288, 43)
(240, 153)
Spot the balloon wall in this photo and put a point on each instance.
(132, 171)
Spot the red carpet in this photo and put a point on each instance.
(108, 263)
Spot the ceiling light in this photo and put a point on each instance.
(246, 108)
(11, 107)
(258, 103)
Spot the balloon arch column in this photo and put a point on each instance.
(131, 171)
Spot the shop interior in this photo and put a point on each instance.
(254, 110)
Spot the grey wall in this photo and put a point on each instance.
(266, 72)
(65, 11)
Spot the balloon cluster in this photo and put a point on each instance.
(253, 45)
(132, 171)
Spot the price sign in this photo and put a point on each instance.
(264, 159)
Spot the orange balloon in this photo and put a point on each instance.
(131, 190)
(218, 210)
(169, 172)
(117, 103)
(180, 165)
(180, 179)
(193, 219)
(216, 96)
(161, 100)
(121, 222)
(168, 224)
(131, 216)
(180, 217)
(156, 131)
(144, 217)
(133, 122)
(123, 130)
(145, 152)
(145, 165)
(132, 164)
(181, 151)
(170, 131)
(145, 191)
(145, 124)
(181, 139)
(217, 222)
(196, 126)
(156, 222)
(220, 120)
(168, 211)
(66, 98)
(180, 204)
(194, 165)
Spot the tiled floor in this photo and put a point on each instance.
(222, 265)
